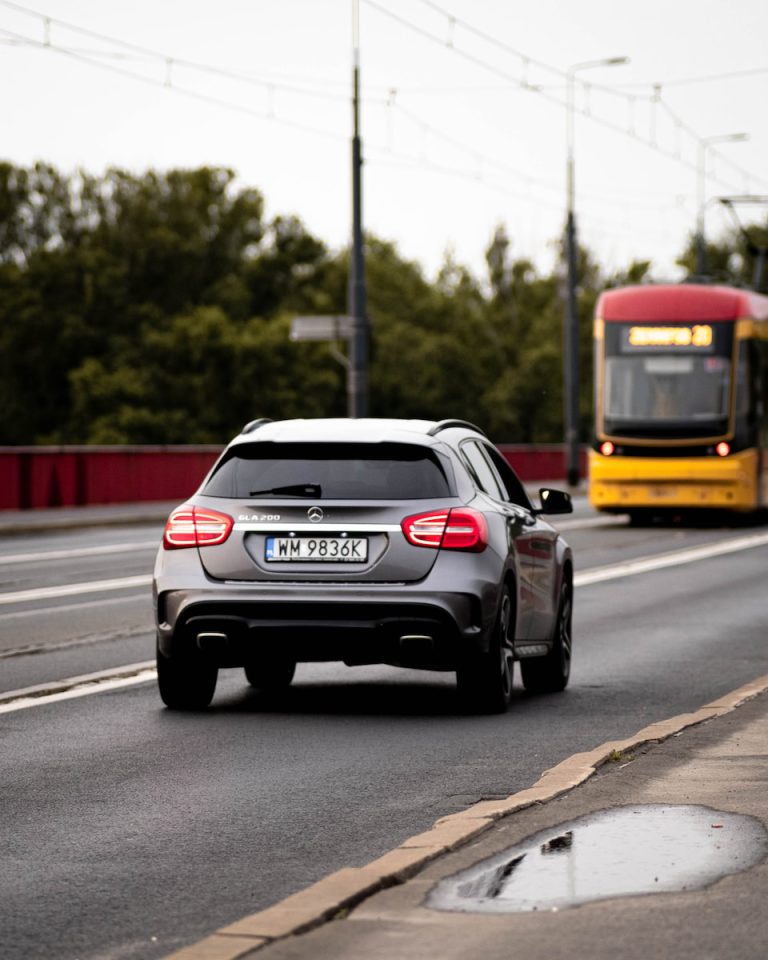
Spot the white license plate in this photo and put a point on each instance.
(318, 549)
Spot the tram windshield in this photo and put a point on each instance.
(664, 388)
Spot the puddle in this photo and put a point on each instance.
(613, 853)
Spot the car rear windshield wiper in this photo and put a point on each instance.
(291, 490)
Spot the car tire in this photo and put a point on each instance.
(550, 674)
(484, 678)
(186, 680)
(270, 676)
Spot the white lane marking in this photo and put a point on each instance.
(69, 607)
(74, 589)
(675, 558)
(584, 522)
(78, 553)
(79, 686)
(144, 672)
(598, 575)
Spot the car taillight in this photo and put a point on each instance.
(196, 527)
(455, 529)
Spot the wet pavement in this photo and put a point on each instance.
(710, 782)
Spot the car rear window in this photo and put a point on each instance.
(331, 471)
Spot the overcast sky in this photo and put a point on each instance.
(463, 116)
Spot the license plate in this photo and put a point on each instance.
(317, 549)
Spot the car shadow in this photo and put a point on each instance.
(366, 698)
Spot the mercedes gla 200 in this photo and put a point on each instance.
(402, 542)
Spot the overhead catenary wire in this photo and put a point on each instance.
(176, 88)
(140, 53)
(271, 85)
(168, 63)
(524, 83)
(96, 58)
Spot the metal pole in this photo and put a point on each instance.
(571, 359)
(759, 270)
(571, 331)
(701, 243)
(571, 322)
(357, 377)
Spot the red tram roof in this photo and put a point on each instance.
(684, 301)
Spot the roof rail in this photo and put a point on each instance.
(255, 424)
(449, 424)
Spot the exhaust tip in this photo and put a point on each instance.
(210, 640)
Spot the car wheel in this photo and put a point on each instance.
(484, 679)
(271, 676)
(550, 674)
(186, 680)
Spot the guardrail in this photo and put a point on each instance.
(39, 477)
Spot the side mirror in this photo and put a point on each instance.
(554, 501)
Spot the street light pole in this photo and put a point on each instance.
(701, 194)
(571, 323)
(357, 378)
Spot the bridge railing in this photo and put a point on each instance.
(39, 477)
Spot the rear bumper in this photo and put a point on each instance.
(619, 483)
(396, 625)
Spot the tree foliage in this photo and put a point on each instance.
(156, 308)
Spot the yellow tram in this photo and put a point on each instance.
(681, 399)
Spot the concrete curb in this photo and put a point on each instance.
(334, 895)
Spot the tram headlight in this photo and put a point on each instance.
(607, 448)
(723, 449)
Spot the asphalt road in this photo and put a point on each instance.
(128, 831)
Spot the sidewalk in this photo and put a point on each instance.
(716, 757)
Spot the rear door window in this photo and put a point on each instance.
(515, 491)
(483, 471)
(331, 471)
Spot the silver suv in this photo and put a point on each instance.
(402, 542)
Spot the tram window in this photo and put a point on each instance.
(663, 387)
(744, 386)
(762, 393)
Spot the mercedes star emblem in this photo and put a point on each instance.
(315, 514)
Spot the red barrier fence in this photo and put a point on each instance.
(33, 477)
(543, 461)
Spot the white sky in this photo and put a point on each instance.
(453, 144)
